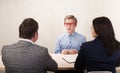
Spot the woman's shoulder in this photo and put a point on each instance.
(88, 42)
(93, 43)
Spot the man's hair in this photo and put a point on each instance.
(28, 28)
(71, 17)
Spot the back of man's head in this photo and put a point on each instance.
(28, 28)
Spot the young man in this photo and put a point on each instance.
(70, 42)
(25, 56)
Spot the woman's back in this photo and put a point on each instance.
(97, 58)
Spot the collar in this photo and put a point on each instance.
(73, 34)
(26, 40)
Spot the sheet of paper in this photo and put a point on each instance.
(69, 58)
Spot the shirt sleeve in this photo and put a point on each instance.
(84, 39)
(57, 48)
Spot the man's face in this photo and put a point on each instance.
(70, 25)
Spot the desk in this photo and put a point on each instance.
(1, 64)
(62, 64)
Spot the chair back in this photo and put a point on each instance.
(99, 72)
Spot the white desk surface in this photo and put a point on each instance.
(1, 64)
(62, 64)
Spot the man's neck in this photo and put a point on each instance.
(71, 32)
(29, 40)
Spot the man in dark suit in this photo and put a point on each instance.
(25, 56)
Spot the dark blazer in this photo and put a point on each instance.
(25, 57)
(94, 57)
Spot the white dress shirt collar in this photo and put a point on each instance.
(26, 40)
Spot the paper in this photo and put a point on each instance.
(69, 58)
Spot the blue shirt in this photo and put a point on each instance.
(69, 41)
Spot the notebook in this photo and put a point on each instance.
(69, 58)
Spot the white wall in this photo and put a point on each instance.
(50, 15)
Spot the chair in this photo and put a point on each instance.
(118, 69)
(99, 72)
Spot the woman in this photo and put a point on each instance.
(103, 53)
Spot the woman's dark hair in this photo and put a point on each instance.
(28, 28)
(104, 29)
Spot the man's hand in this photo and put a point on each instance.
(73, 51)
(65, 51)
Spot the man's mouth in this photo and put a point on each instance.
(68, 28)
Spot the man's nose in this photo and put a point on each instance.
(69, 26)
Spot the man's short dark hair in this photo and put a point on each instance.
(28, 28)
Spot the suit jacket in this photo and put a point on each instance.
(25, 57)
(94, 57)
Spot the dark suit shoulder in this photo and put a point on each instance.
(40, 47)
(8, 46)
(22, 46)
(93, 44)
(87, 43)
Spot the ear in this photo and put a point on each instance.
(35, 37)
(36, 34)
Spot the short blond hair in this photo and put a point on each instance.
(71, 17)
